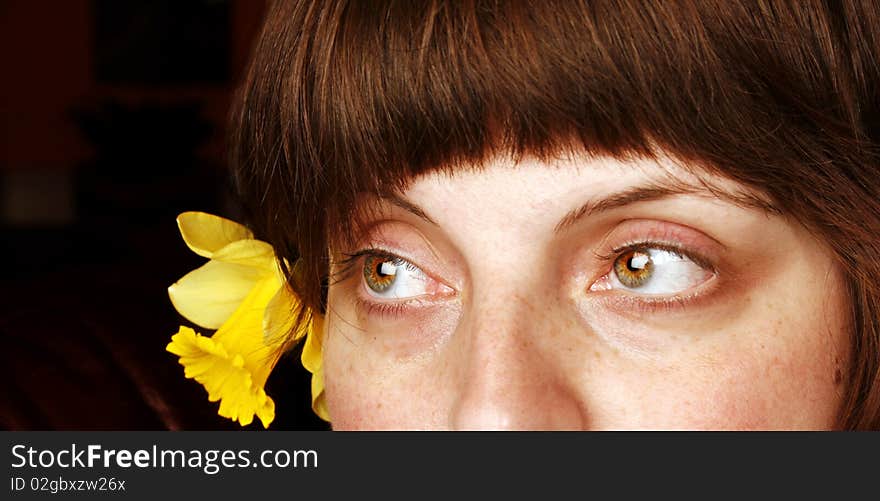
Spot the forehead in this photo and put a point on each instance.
(536, 186)
(532, 203)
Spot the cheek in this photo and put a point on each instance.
(367, 388)
(778, 377)
(382, 375)
(777, 365)
(349, 383)
(773, 378)
(719, 399)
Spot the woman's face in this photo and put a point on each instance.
(586, 293)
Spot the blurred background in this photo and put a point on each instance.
(114, 120)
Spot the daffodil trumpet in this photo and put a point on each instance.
(242, 295)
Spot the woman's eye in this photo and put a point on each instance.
(394, 278)
(653, 271)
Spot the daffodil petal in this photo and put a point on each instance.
(279, 317)
(241, 335)
(206, 233)
(254, 253)
(311, 353)
(207, 296)
(312, 360)
(319, 404)
(234, 364)
(243, 332)
(224, 376)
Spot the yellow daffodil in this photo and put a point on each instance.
(311, 360)
(241, 293)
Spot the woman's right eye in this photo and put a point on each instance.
(390, 277)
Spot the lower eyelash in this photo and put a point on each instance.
(385, 309)
(656, 304)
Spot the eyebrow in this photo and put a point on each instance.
(408, 206)
(644, 193)
(658, 191)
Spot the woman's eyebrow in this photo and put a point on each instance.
(657, 191)
(408, 206)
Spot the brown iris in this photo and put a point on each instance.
(634, 268)
(374, 275)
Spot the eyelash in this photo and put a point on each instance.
(652, 244)
(347, 264)
(385, 309)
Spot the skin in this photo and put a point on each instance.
(516, 327)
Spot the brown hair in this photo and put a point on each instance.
(346, 97)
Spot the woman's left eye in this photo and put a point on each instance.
(389, 277)
(653, 271)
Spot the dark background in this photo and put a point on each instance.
(114, 119)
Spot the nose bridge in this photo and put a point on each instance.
(508, 378)
(502, 318)
(498, 332)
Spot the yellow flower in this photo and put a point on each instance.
(311, 360)
(241, 293)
